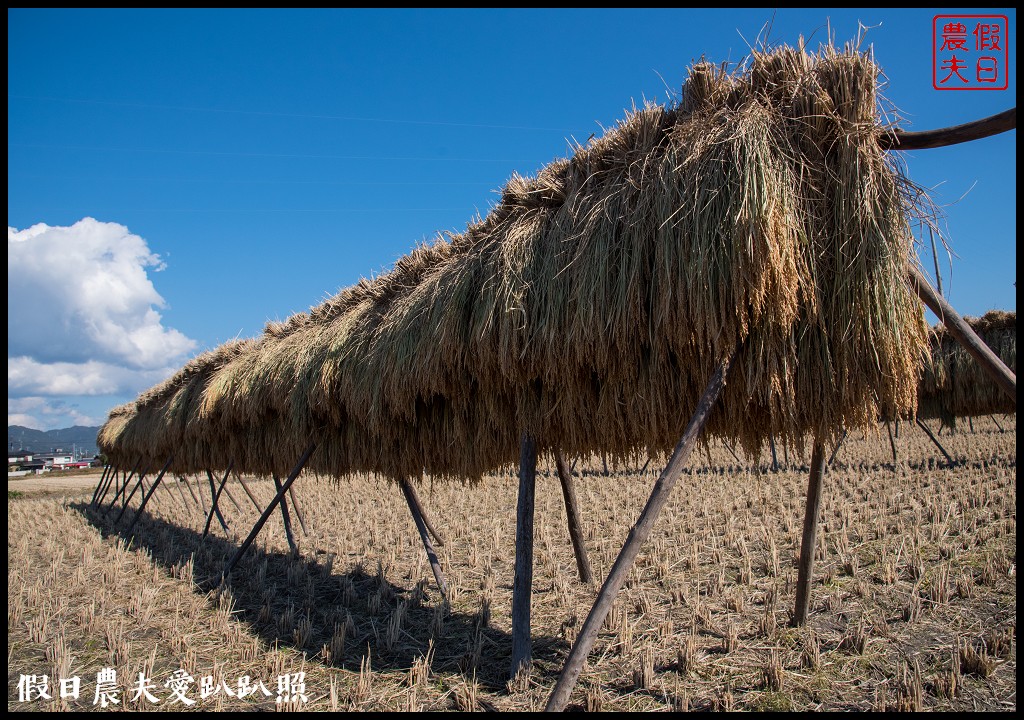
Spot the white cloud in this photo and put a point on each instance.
(81, 293)
(26, 376)
(83, 320)
(44, 414)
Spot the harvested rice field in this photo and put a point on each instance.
(913, 604)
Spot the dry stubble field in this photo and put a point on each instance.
(914, 602)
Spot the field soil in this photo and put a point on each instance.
(913, 604)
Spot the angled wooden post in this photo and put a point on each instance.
(298, 511)
(285, 516)
(103, 479)
(183, 481)
(142, 476)
(806, 569)
(949, 458)
(227, 491)
(149, 494)
(102, 490)
(974, 130)
(414, 507)
(991, 363)
(248, 492)
(892, 444)
(835, 452)
(522, 584)
(422, 513)
(181, 494)
(268, 511)
(124, 485)
(573, 516)
(216, 497)
(637, 536)
(117, 490)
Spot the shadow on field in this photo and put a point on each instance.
(297, 601)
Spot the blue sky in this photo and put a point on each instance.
(240, 166)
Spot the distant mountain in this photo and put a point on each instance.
(78, 437)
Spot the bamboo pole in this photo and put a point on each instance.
(227, 491)
(216, 498)
(637, 536)
(839, 444)
(414, 507)
(125, 480)
(106, 486)
(949, 458)
(965, 335)
(129, 498)
(103, 479)
(148, 495)
(286, 518)
(184, 481)
(892, 444)
(298, 511)
(806, 568)
(522, 584)
(573, 516)
(423, 515)
(248, 492)
(268, 511)
(975, 130)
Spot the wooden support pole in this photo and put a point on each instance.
(835, 452)
(423, 515)
(125, 480)
(970, 424)
(949, 458)
(103, 479)
(196, 502)
(114, 482)
(775, 457)
(896, 428)
(181, 494)
(202, 499)
(298, 511)
(129, 498)
(285, 516)
(148, 495)
(997, 423)
(806, 569)
(892, 444)
(216, 498)
(248, 491)
(573, 515)
(414, 507)
(522, 583)
(268, 511)
(975, 130)
(637, 536)
(604, 463)
(227, 491)
(732, 451)
(644, 468)
(102, 490)
(965, 335)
